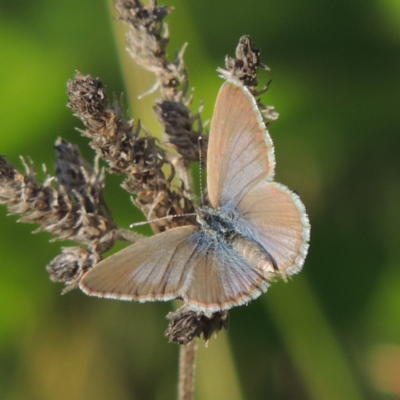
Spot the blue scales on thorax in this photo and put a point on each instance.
(220, 227)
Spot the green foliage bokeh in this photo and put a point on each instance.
(331, 332)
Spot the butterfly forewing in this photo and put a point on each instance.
(275, 218)
(156, 268)
(240, 150)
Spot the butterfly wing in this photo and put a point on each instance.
(275, 218)
(240, 173)
(240, 150)
(179, 263)
(221, 278)
(155, 268)
(187, 263)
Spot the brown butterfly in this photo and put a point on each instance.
(257, 229)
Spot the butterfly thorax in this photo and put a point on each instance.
(216, 224)
(220, 227)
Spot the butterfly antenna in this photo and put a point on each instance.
(200, 172)
(159, 219)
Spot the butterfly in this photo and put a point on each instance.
(255, 230)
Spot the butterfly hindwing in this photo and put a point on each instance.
(273, 216)
(220, 277)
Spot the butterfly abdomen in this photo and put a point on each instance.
(256, 256)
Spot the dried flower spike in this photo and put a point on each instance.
(60, 210)
(244, 69)
(127, 152)
(71, 265)
(147, 39)
(186, 324)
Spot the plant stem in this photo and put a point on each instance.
(187, 364)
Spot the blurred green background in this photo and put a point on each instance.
(333, 332)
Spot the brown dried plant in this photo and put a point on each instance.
(70, 205)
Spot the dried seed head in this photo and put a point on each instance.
(82, 181)
(147, 40)
(71, 265)
(185, 324)
(244, 68)
(178, 123)
(74, 211)
(127, 152)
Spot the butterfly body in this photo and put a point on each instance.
(216, 224)
(222, 227)
(255, 229)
